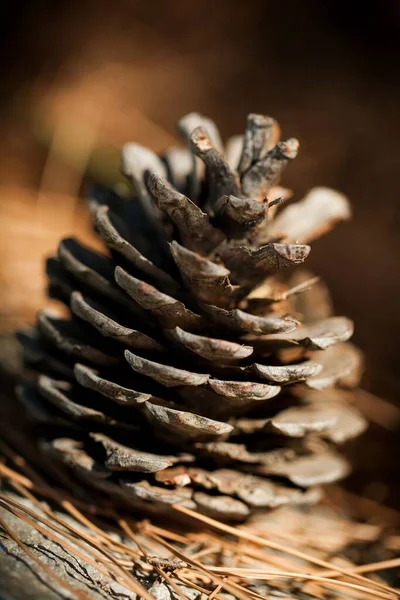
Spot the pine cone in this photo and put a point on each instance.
(195, 368)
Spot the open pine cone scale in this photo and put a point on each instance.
(195, 367)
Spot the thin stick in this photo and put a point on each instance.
(124, 525)
(118, 546)
(173, 585)
(267, 575)
(20, 462)
(274, 545)
(199, 566)
(369, 568)
(219, 587)
(191, 583)
(50, 493)
(105, 538)
(167, 534)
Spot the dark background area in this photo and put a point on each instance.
(80, 78)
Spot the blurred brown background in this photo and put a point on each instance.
(79, 78)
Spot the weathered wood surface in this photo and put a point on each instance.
(22, 579)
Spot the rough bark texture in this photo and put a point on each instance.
(22, 578)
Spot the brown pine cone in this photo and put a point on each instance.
(196, 368)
